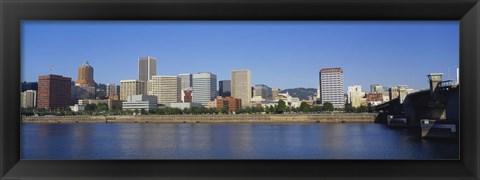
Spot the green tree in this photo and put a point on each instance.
(349, 108)
(90, 107)
(143, 112)
(318, 108)
(281, 106)
(267, 110)
(327, 106)
(260, 109)
(224, 110)
(272, 109)
(304, 107)
(362, 108)
(102, 107)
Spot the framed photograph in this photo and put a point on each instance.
(239, 89)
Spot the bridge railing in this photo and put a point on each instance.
(448, 83)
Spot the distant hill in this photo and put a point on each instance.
(302, 93)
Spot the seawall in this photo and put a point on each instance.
(239, 118)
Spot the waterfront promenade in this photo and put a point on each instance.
(215, 118)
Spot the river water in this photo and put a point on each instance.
(228, 141)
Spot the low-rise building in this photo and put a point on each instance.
(374, 99)
(140, 102)
(112, 104)
(232, 104)
(289, 100)
(185, 105)
(212, 104)
(77, 108)
(187, 95)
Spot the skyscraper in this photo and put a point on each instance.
(185, 86)
(167, 89)
(85, 75)
(54, 91)
(147, 67)
(264, 91)
(85, 87)
(131, 87)
(241, 81)
(331, 86)
(185, 81)
(204, 88)
(224, 88)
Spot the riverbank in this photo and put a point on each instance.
(218, 118)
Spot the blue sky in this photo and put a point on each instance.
(283, 54)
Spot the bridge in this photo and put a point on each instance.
(426, 109)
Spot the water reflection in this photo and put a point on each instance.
(227, 141)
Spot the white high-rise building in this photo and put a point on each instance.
(131, 87)
(28, 98)
(331, 86)
(147, 67)
(167, 89)
(241, 82)
(204, 87)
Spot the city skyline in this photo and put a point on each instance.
(436, 40)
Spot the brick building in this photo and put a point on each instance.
(187, 95)
(54, 91)
(229, 102)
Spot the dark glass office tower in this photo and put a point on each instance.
(224, 88)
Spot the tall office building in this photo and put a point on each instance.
(167, 89)
(331, 86)
(111, 89)
(54, 91)
(185, 81)
(85, 75)
(185, 86)
(28, 99)
(85, 86)
(264, 91)
(147, 67)
(224, 88)
(241, 86)
(204, 88)
(132, 87)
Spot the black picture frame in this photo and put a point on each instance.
(12, 12)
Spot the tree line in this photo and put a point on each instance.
(280, 108)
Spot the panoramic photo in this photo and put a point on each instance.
(323, 90)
